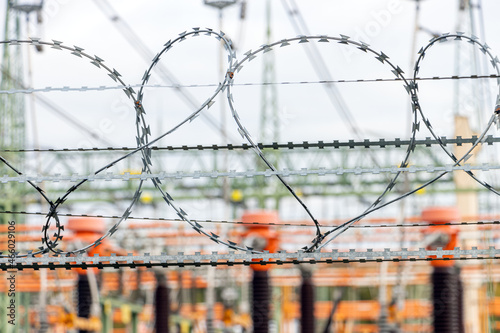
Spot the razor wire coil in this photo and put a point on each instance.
(145, 143)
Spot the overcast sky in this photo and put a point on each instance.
(380, 109)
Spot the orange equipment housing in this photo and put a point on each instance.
(261, 234)
(87, 230)
(448, 238)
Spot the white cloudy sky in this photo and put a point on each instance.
(380, 109)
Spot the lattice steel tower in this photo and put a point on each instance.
(470, 95)
(269, 117)
(12, 113)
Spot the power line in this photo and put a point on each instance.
(138, 45)
(60, 112)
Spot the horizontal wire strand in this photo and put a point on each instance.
(384, 225)
(245, 174)
(336, 144)
(245, 258)
(211, 85)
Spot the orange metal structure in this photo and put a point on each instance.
(446, 236)
(354, 315)
(263, 236)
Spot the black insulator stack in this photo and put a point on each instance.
(447, 300)
(162, 306)
(460, 302)
(307, 304)
(84, 298)
(260, 301)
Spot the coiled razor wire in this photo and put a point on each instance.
(249, 56)
(416, 108)
(144, 143)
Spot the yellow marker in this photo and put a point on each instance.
(107, 307)
(421, 191)
(126, 313)
(236, 196)
(131, 172)
(146, 197)
(185, 326)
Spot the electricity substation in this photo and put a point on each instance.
(313, 183)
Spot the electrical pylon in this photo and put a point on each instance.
(12, 114)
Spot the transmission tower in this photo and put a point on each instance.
(269, 118)
(471, 107)
(470, 96)
(12, 113)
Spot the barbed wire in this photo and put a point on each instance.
(273, 224)
(336, 144)
(127, 176)
(245, 258)
(211, 85)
